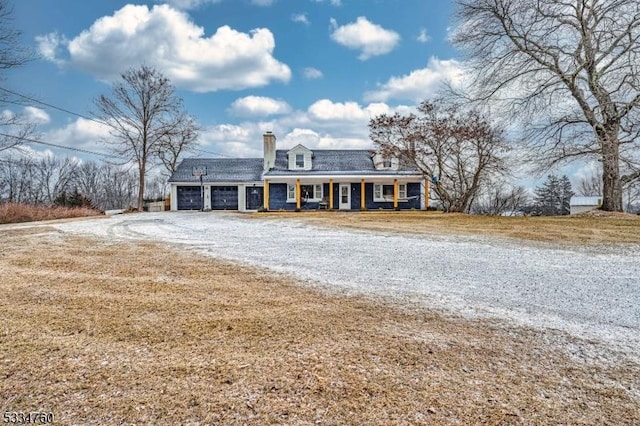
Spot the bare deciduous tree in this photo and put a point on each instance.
(13, 128)
(144, 115)
(12, 53)
(590, 185)
(32, 181)
(459, 150)
(499, 199)
(569, 69)
(178, 142)
(54, 176)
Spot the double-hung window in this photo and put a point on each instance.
(307, 192)
(383, 193)
(300, 161)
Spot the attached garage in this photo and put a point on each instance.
(228, 184)
(224, 198)
(189, 198)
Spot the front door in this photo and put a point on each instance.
(345, 196)
(254, 197)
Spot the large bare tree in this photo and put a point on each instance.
(569, 69)
(144, 115)
(458, 149)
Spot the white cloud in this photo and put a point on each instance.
(306, 137)
(325, 124)
(51, 46)
(327, 110)
(81, 132)
(314, 140)
(187, 4)
(423, 37)
(419, 84)
(258, 106)
(231, 140)
(193, 4)
(311, 73)
(300, 18)
(36, 115)
(369, 38)
(165, 38)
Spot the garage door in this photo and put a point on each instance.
(224, 198)
(189, 198)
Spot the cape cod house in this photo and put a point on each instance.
(298, 179)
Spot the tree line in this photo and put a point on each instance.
(54, 180)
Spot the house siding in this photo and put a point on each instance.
(413, 190)
(278, 198)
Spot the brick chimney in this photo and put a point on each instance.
(269, 150)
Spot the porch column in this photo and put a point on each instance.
(330, 194)
(363, 205)
(427, 192)
(266, 194)
(297, 194)
(395, 194)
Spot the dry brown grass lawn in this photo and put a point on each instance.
(594, 228)
(105, 333)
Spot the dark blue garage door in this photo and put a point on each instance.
(189, 198)
(224, 198)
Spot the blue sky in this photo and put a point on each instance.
(312, 71)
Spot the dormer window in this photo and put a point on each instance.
(385, 162)
(300, 158)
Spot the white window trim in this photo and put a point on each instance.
(291, 191)
(378, 191)
(295, 160)
(318, 193)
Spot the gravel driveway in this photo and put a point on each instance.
(588, 292)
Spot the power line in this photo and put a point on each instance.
(49, 105)
(211, 152)
(29, 98)
(86, 151)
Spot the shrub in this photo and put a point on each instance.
(15, 213)
(72, 199)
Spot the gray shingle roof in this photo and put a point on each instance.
(335, 161)
(220, 170)
(325, 162)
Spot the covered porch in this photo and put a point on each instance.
(346, 193)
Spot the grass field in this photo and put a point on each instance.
(123, 333)
(594, 228)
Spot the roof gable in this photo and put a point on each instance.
(299, 149)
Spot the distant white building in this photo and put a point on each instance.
(585, 204)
